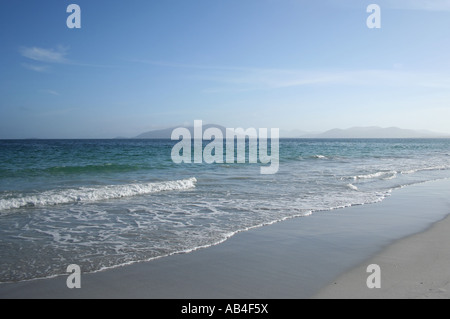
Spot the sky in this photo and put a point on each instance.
(141, 65)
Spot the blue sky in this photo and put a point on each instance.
(140, 65)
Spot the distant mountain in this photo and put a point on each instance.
(167, 133)
(376, 132)
(157, 134)
(354, 132)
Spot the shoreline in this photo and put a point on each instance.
(292, 259)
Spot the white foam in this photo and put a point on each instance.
(394, 175)
(352, 187)
(433, 168)
(389, 175)
(93, 194)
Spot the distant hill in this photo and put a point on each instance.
(376, 132)
(167, 133)
(354, 132)
(157, 134)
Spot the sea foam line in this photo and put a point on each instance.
(93, 194)
(375, 175)
(226, 236)
(432, 168)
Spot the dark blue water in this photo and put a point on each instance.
(103, 203)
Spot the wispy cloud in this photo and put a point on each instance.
(258, 77)
(57, 55)
(280, 79)
(36, 68)
(241, 79)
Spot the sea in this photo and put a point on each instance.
(102, 204)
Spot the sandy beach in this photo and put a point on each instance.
(405, 235)
(416, 267)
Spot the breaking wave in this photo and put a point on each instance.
(93, 194)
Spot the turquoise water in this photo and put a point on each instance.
(104, 203)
